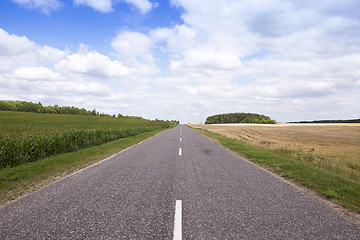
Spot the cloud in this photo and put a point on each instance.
(11, 45)
(36, 73)
(106, 6)
(91, 65)
(144, 6)
(16, 51)
(103, 6)
(178, 39)
(86, 78)
(132, 44)
(252, 55)
(32, 72)
(66, 89)
(45, 6)
(207, 59)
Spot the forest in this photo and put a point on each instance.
(239, 118)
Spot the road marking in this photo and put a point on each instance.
(178, 221)
(180, 151)
(180, 139)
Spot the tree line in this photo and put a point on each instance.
(239, 118)
(331, 121)
(23, 106)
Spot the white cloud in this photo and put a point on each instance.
(53, 88)
(178, 39)
(46, 6)
(132, 44)
(91, 64)
(265, 52)
(11, 45)
(207, 59)
(36, 73)
(18, 51)
(104, 6)
(144, 6)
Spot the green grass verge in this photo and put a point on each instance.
(22, 179)
(341, 189)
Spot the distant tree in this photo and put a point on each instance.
(28, 107)
(7, 106)
(239, 118)
(331, 121)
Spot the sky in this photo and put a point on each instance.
(184, 60)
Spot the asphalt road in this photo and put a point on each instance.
(136, 194)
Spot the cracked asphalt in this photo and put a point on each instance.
(132, 196)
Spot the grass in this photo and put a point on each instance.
(337, 187)
(22, 179)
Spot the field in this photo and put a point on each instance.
(24, 123)
(27, 137)
(330, 146)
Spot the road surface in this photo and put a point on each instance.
(175, 185)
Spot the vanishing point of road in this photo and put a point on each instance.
(175, 185)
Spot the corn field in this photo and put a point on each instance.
(16, 150)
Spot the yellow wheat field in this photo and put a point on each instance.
(332, 146)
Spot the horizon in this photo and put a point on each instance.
(184, 60)
(102, 114)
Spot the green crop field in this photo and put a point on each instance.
(25, 123)
(27, 137)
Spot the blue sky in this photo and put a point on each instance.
(184, 59)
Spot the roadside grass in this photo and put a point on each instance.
(339, 188)
(20, 180)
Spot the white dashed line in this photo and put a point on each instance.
(178, 221)
(180, 139)
(180, 151)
